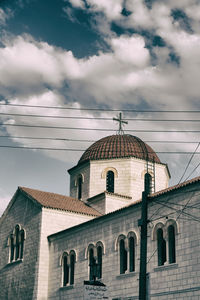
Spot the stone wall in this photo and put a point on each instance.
(129, 177)
(18, 279)
(52, 221)
(179, 280)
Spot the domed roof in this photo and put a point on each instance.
(119, 146)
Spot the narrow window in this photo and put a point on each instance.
(161, 244)
(11, 248)
(17, 244)
(123, 257)
(80, 183)
(131, 254)
(99, 261)
(110, 182)
(171, 244)
(21, 244)
(91, 264)
(65, 271)
(72, 265)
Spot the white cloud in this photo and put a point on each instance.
(77, 3)
(26, 62)
(131, 50)
(112, 9)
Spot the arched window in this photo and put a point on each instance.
(99, 262)
(91, 263)
(68, 268)
(17, 243)
(21, 241)
(131, 254)
(171, 244)
(12, 248)
(110, 181)
(123, 256)
(65, 270)
(161, 245)
(72, 267)
(80, 183)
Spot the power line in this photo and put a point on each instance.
(90, 141)
(96, 129)
(189, 163)
(81, 150)
(101, 109)
(97, 118)
(193, 171)
(45, 138)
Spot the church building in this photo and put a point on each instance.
(51, 244)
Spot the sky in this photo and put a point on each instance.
(133, 56)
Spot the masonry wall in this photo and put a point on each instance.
(18, 280)
(129, 177)
(52, 221)
(175, 281)
(83, 170)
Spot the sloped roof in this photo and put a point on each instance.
(175, 187)
(119, 146)
(57, 201)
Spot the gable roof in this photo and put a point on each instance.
(124, 208)
(175, 187)
(57, 201)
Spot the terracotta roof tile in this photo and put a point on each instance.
(57, 201)
(175, 187)
(119, 146)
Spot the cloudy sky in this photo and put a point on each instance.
(129, 55)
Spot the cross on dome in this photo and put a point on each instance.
(121, 123)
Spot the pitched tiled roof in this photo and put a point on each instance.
(57, 201)
(119, 146)
(176, 187)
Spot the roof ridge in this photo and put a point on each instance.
(176, 186)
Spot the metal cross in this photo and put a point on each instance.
(121, 122)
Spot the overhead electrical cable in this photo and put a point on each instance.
(189, 163)
(96, 129)
(98, 118)
(90, 141)
(101, 109)
(82, 150)
(193, 171)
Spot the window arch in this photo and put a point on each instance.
(171, 244)
(131, 242)
(65, 269)
(95, 260)
(80, 186)
(16, 244)
(110, 178)
(99, 261)
(166, 240)
(161, 245)
(91, 263)
(68, 268)
(21, 240)
(12, 247)
(123, 256)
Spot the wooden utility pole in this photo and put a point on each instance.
(143, 240)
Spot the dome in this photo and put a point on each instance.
(119, 146)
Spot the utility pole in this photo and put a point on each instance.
(143, 240)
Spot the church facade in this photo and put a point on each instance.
(51, 244)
